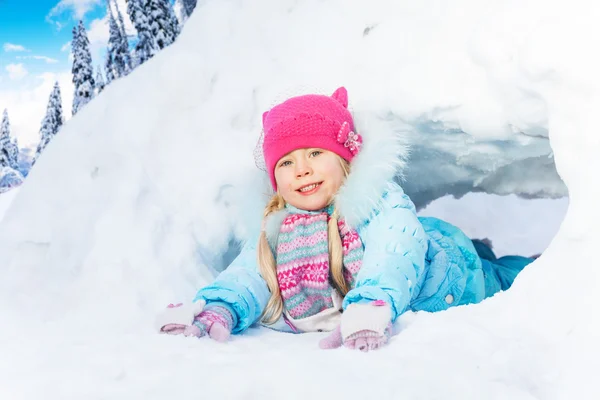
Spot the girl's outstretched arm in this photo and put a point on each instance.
(240, 287)
(394, 260)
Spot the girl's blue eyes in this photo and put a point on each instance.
(312, 154)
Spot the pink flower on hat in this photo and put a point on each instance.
(310, 120)
(351, 140)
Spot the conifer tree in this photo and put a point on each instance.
(13, 154)
(113, 67)
(146, 45)
(109, 67)
(100, 85)
(118, 59)
(82, 69)
(5, 144)
(124, 42)
(52, 121)
(187, 7)
(163, 22)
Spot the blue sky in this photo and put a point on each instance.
(41, 28)
(35, 52)
(35, 49)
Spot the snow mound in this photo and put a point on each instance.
(142, 195)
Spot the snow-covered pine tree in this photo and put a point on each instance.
(109, 67)
(135, 61)
(5, 141)
(146, 46)
(163, 22)
(118, 59)
(100, 85)
(114, 65)
(52, 121)
(83, 72)
(9, 148)
(124, 43)
(187, 7)
(13, 154)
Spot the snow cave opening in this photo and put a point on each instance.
(506, 192)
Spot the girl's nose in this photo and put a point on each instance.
(302, 170)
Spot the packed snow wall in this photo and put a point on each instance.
(153, 181)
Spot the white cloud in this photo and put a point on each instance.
(67, 48)
(27, 107)
(78, 7)
(98, 34)
(14, 47)
(48, 60)
(98, 31)
(16, 71)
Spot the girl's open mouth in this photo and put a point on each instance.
(309, 189)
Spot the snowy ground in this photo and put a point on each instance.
(142, 192)
(5, 201)
(74, 361)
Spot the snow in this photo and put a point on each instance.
(514, 225)
(5, 201)
(149, 181)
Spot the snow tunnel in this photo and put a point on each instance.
(143, 195)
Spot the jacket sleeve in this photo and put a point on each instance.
(241, 287)
(394, 259)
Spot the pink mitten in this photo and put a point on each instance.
(217, 321)
(363, 340)
(363, 326)
(196, 320)
(368, 340)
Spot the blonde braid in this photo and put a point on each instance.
(268, 266)
(336, 255)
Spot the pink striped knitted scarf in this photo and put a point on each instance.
(303, 261)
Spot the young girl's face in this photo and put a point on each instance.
(309, 178)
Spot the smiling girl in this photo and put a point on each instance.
(341, 249)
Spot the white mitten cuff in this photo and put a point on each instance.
(181, 315)
(359, 317)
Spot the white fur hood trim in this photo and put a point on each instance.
(383, 157)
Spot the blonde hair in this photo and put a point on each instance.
(268, 265)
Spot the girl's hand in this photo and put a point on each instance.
(364, 327)
(216, 321)
(362, 340)
(368, 340)
(210, 322)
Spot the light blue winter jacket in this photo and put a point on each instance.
(410, 262)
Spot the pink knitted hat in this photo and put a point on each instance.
(311, 120)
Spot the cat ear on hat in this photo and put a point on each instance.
(265, 116)
(341, 95)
